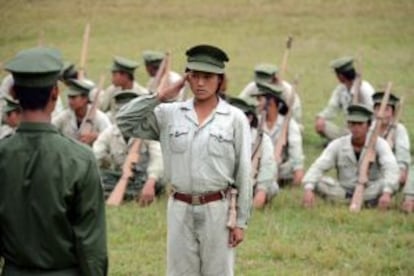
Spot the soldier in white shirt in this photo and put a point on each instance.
(345, 154)
(341, 98)
(70, 120)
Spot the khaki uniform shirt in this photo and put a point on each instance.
(287, 92)
(341, 99)
(52, 210)
(401, 147)
(409, 186)
(293, 153)
(67, 124)
(106, 101)
(111, 150)
(197, 158)
(340, 155)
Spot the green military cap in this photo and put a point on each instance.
(11, 104)
(241, 104)
(153, 56)
(206, 58)
(343, 64)
(359, 113)
(265, 88)
(79, 87)
(124, 96)
(392, 100)
(68, 71)
(124, 65)
(264, 72)
(35, 67)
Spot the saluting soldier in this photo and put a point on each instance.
(268, 73)
(395, 133)
(345, 155)
(292, 158)
(341, 98)
(264, 168)
(206, 148)
(123, 70)
(111, 149)
(52, 211)
(70, 120)
(153, 61)
(11, 117)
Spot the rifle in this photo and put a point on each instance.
(390, 133)
(283, 67)
(256, 150)
(117, 195)
(283, 137)
(369, 156)
(84, 52)
(161, 72)
(231, 223)
(87, 122)
(356, 86)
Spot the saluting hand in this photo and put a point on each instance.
(171, 91)
(236, 236)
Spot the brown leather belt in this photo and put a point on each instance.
(200, 199)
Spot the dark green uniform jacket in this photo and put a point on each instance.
(52, 211)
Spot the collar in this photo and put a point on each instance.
(37, 127)
(222, 107)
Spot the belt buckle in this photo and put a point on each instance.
(195, 200)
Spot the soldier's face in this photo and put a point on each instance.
(77, 102)
(203, 85)
(13, 118)
(358, 129)
(117, 78)
(261, 103)
(152, 69)
(388, 113)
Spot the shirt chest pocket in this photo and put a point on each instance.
(178, 137)
(221, 143)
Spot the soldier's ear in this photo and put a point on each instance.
(55, 93)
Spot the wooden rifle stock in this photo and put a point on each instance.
(87, 122)
(283, 66)
(84, 52)
(283, 137)
(356, 86)
(256, 151)
(117, 195)
(369, 156)
(390, 134)
(232, 221)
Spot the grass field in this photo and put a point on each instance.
(283, 239)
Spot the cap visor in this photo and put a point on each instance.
(204, 67)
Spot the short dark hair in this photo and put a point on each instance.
(33, 98)
(349, 74)
(283, 108)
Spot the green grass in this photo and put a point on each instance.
(283, 239)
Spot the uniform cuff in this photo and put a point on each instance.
(309, 186)
(387, 190)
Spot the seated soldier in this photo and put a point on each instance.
(70, 120)
(264, 168)
(122, 79)
(341, 98)
(408, 191)
(152, 60)
(111, 150)
(11, 117)
(344, 154)
(395, 133)
(290, 161)
(268, 73)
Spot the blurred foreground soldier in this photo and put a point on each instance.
(345, 154)
(11, 117)
(122, 79)
(264, 169)
(408, 202)
(111, 150)
(341, 98)
(291, 158)
(268, 73)
(70, 120)
(206, 149)
(153, 61)
(395, 133)
(52, 212)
